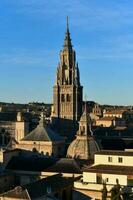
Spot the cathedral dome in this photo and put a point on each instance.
(84, 146)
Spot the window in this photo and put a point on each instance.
(47, 153)
(62, 98)
(82, 129)
(110, 159)
(68, 97)
(120, 159)
(107, 180)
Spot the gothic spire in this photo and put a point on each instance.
(67, 24)
(67, 41)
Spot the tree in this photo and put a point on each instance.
(116, 192)
(104, 192)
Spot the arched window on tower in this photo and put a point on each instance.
(68, 97)
(62, 98)
(82, 130)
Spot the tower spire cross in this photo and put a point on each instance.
(67, 23)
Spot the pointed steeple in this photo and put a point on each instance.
(67, 40)
(85, 122)
(67, 24)
(42, 120)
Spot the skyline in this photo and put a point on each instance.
(32, 36)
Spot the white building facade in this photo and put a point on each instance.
(110, 167)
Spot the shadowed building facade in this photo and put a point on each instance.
(67, 92)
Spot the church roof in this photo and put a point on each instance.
(83, 147)
(42, 133)
(110, 169)
(65, 165)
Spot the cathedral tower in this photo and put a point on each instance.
(67, 95)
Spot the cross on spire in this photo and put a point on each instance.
(67, 23)
(67, 41)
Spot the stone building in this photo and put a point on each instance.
(114, 113)
(43, 139)
(84, 146)
(97, 110)
(110, 121)
(67, 91)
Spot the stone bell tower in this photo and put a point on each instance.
(67, 91)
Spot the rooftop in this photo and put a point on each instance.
(114, 112)
(39, 188)
(111, 152)
(65, 165)
(56, 183)
(107, 119)
(110, 169)
(42, 133)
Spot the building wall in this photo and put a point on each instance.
(1, 156)
(45, 147)
(112, 178)
(127, 160)
(110, 122)
(8, 126)
(104, 123)
(89, 177)
(109, 178)
(118, 115)
(48, 148)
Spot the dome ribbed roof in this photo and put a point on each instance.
(83, 147)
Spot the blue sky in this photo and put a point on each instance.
(32, 34)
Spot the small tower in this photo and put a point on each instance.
(85, 123)
(42, 120)
(19, 117)
(21, 128)
(84, 146)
